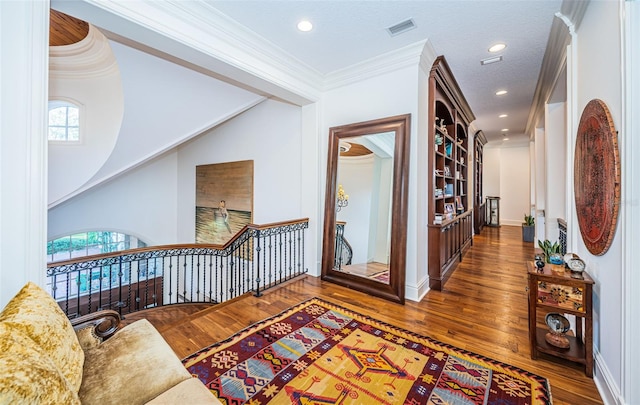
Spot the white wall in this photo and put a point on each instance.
(514, 184)
(540, 186)
(270, 135)
(164, 105)
(506, 175)
(491, 165)
(556, 168)
(23, 145)
(598, 76)
(85, 73)
(630, 146)
(142, 203)
(356, 177)
(156, 116)
(156, 202)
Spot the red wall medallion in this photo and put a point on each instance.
(597, 177)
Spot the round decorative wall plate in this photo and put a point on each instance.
(597, 177)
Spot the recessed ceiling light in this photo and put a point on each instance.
(502, 116)
(305, 26)
(497, 47)
(501, 92)
(505, 139)
(504, 129)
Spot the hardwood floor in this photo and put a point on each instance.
(482, 308)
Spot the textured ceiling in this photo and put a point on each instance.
(348, 32)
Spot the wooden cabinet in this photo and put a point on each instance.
(450, 215)
(479, 208)
(493, 211)
(555, 289)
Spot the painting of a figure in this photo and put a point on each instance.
(224, 200)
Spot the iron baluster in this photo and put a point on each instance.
(258, 250)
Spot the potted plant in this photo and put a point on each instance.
(550, 249)
(528, 228)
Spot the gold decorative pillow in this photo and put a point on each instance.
(28, 376)
(35, 314)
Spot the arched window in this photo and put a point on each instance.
(83, 282)
(64, 121)
(90, 243)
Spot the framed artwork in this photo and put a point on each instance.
(459, 205)
(597, 177)
(449, 209)
(224, 200)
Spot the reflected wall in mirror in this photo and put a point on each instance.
(364, 245)
(363, 213)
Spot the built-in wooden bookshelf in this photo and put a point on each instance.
(450, 215)
(479, 207)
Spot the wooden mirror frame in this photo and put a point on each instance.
(394, 291)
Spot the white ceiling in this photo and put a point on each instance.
(348, 32)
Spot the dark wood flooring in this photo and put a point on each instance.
(482, 308)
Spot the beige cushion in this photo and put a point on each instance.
(27, 375)
(87, 338)
(132, 367)
(191, 391)
(36, 314)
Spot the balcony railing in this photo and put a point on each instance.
(257, 258)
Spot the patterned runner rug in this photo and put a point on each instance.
(320, 353)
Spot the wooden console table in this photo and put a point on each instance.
(555, 290)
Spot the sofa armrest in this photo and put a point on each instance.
(103, 323)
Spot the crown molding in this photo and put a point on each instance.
(410, 55)
(238, 44)
(92, 57)
(563, 27)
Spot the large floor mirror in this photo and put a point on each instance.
(365, 217)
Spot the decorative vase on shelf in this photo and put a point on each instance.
(558, 327)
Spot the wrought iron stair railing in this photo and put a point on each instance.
(255, 259)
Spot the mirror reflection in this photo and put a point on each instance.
(365, 212)
(363, 205)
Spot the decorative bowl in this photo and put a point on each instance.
(556, 258)
(557, 323)
(558, 326)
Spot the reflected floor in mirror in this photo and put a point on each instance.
(373, 270)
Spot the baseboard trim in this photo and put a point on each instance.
(605, 383)
(417, 293)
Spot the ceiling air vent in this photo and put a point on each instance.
(401, 27)
(491, 60)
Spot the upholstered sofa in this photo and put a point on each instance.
(45, 360)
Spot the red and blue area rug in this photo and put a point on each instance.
(319, 353)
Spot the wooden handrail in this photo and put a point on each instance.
(177, 246)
